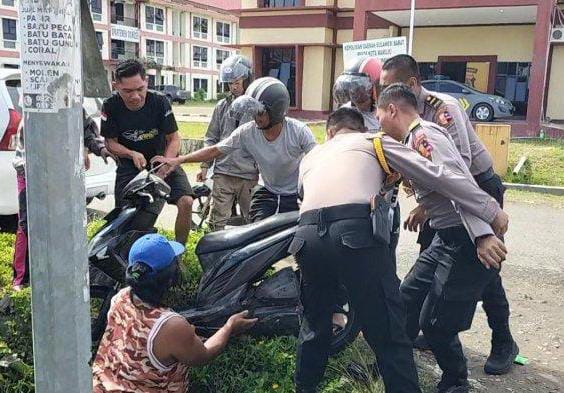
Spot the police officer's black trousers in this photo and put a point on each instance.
(494, 299)
(441, 292)
(335, 246)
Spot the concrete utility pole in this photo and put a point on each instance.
(411, 26)
(52, 94)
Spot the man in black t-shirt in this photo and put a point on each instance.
(138, 124)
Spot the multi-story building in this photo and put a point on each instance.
(506, 44)
(181, 42)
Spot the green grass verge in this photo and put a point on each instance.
(192, 130)
(198, 104)
(545, 165)
(534, 198)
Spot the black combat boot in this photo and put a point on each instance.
(421, 343)
(501, 357)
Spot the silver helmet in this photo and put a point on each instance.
(235, 67)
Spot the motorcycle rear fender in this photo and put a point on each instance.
(243, 266)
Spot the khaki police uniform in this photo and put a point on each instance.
(334, 244)
(234, 175)
(443, 287)
(446, 111)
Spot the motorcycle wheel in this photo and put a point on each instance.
(345, 333)
(100, 301)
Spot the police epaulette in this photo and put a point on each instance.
(435, 102)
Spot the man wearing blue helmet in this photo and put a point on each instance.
(147, 346)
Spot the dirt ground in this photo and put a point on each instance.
(534, 281)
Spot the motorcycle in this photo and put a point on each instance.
(244, 268)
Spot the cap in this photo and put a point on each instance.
(156, 251)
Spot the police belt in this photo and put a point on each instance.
(484, 176)
(335, 213)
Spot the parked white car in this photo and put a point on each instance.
(99, 179)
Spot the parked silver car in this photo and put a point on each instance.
(478, 105)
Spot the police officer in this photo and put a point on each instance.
(276, 142)
(447, 280)
(357, 86)
(447, 112)
(235, 175)
(336, 243)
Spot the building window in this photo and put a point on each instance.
(200, 84)
(118, 50)
(96, 10)
(223, 32)
(8, 3)
(9, 31)
(200, 28)
(100, 39)
(427, 70)
(220, 56)
(512, 83)
(199, 57)
(119, 11)
(154, 18)
(221, 88)
(281, 63)
(155, 51)
(281, 3)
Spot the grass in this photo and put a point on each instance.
(192, 130)
(534, 198)
(545, 162)
(198, 104)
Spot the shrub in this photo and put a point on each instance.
(200, 95)
(221, 96)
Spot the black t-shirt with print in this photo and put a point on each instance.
(143, 131)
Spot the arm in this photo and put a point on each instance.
(91, 141)
(442, 177)
(205, 154)
(308, 141)
(454, 119)
(177, 340)
(173, 143)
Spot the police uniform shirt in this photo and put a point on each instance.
(446, 111)
(460, 200)
(345, 170)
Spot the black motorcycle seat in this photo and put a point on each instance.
(240, 236)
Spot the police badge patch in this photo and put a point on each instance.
(444, 118)
(423, 146)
